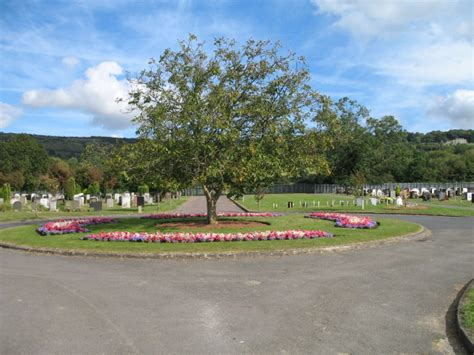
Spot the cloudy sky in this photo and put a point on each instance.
(64, 62)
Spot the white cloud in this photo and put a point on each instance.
(8, 114)
(96, 95)
(441, 63)
(381, 18)
(457, 107)
(70, 61)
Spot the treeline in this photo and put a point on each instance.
(69, 147)
(363, 150)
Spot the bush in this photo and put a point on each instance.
(143, 189)
(6, 193)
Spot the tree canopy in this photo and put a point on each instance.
(234, 119)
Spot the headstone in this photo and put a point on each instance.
(126, 201)
(399, 201)
(393, 194)
(17, 206)
(88, 198)
(140, 201)
(52, 205)
(23, 199)
(76, 205)
(290, 204)
(359, 201)
(426, 196)
(81, 201)
(117, 198)
(379, 193)
(44, 202)
(373, 201)
(146, 195)
(374, 192)
(441, 196)
(134, 200)
(110, 203)
(97, 205)
(469, 196)
(120, 201)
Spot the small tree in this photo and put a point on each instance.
(94, 188)
(70, 188)
(357, 182)
(397, 190)
(225, 120)
(143, 189)
(6, 193)
(259, 195)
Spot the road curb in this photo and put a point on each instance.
(463, 334)
(420, 235)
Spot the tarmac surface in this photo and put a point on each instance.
(391, 299)
(197, 204)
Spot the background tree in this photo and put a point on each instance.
(223, 119)
(6, 193)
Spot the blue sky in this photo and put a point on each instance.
(63, 63)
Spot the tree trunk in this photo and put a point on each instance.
(211, 201)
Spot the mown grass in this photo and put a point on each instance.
(27, 214)
(444, 208)
(27, 236)
(467, 312)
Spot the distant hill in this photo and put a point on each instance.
(70, 147)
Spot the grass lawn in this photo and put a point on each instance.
(445, 208)
(27, 236)
(26, 214)
(467, 312)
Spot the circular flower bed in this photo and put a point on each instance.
(71, 225)
(225, 214)
(206, 237)
(346, 220)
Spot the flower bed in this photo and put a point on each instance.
(206, 237)
(225, 214)
(71, 225)
(346, 220)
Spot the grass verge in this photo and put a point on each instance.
(323, 202)
(467, 312)
(26, 236)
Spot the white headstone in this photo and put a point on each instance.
(146, 195)
(110, 203)
(469, 196)
(52, 205)
(126, 201)
(44, 202)
(81, 201)
(117, 198)
(374, 192)
(399, 201)
(374, 201)
(23, 199)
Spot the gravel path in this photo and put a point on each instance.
(391, 299)
(197, 204)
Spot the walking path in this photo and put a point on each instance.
(197, 204)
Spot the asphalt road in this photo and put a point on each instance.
(385, 300)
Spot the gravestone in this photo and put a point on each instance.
(76, 205)
(23, 199)
(44, 202)
(52, 205)
(399, 201)
(441, 196)
(117, 197)
(140, 201)
(426, 196)
(110, 203)
(359, 201)
(97, 205)
(81, 201)
(374, 201)
(469, 196)
(393, 194)
(120, 201)
(126, 201)
(290, 204)
(146, 195)
(17, 206)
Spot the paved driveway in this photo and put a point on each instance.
(391, 299)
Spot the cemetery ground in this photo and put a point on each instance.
(27, 214)
(345, 203)
(27, 236)
(396, 298)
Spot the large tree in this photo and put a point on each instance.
(233, 117)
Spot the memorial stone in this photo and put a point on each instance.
(374, 201)
(17, 206)
(52, 205)
(97, 205)
(110, 203)
(140, 201)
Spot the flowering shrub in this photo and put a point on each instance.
(225, 214)
(346, 220)
(71, 225)
(205, 237)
